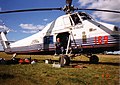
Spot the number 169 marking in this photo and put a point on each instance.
(101, 40)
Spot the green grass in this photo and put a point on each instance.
(104, 73)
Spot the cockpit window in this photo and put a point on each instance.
(76, 19)
(84, 16)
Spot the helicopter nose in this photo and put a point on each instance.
(116, 36)
(116, 28)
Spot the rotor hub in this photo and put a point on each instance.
(68, 9)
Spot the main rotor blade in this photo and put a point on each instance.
(28, 10)
(103, 10)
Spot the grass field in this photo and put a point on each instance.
(104, 73)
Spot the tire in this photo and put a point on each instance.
(64, 60)
(94, 59)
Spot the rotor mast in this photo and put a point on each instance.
(68, 8)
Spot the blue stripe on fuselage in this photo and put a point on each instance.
(112, 41)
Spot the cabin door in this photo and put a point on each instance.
(63, 39)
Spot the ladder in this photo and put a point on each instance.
(68, 44)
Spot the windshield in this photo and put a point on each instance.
(76, 19)
(85, 16)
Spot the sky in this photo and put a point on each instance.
(22, 25)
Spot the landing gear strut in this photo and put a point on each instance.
(14, 55)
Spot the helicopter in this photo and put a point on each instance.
(78, 31)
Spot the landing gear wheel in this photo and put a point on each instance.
(64, 60)
(94, 59)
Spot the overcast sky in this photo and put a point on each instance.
(26, 24)
(103, 4)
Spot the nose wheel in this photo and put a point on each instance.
(64, 60)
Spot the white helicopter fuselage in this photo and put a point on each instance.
(85, 33)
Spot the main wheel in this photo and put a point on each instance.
(64, 60)
(94, 59)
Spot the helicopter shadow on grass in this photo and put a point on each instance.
(88, 62)
(99, 63)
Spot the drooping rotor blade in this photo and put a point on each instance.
(69, 2)
(102, 10)
(29, 10)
